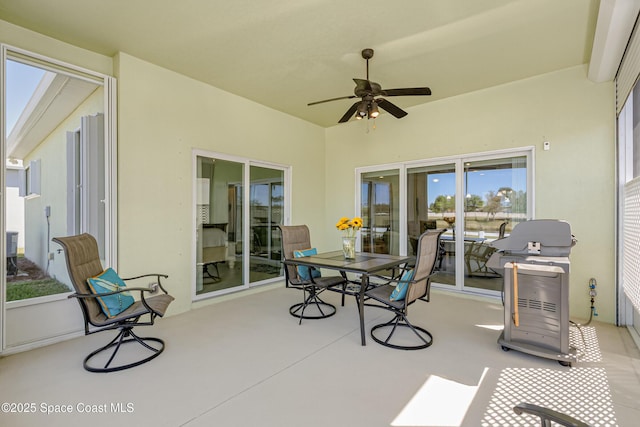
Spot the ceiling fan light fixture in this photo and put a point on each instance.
(373, 110)
(362, 111)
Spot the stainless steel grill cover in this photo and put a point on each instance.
(545, 237)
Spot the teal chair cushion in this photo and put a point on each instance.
(109, 281)
(306, 273)
(400, 292)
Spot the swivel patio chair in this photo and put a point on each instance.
(477, 255)
(548, 416)
(411, 285)
(297, 238)
(100, 313)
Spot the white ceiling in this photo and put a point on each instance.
(287, 53)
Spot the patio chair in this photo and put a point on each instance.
(548, 416)
(502, 229)
(477, 255)
(413, 284)
(307, 279)
(99, 308)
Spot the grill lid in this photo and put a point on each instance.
(547, 237)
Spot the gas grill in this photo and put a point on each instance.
(534, 262)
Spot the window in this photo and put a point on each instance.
(51, 110)
(44, 99)
(30, 180)
(85, 179)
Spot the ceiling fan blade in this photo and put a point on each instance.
(390, 108)
(350, 112)
(409, 91)
(332, 99)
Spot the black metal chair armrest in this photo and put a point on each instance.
(387, 280)
(147, 275)
(104, 294)
(156, 275)
(397, 279)
(78, 295)
(548, 415)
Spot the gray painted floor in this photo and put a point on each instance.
(247, 362)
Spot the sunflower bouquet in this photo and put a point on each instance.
(349, 226)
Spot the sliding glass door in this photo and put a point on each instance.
(266, 214)
(431, 204)
(380, 217)
(495, 200)
(476, 198)
(237, 244)
(219, 230)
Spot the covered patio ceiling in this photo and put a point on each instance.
(285, 54)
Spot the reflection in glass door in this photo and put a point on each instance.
(219, 228)
(431, 205)
(495, 201)
(266, 214)
(379, 210)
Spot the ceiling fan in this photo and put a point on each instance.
(371, 94)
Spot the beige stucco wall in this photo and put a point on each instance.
(574, 180)
(162, 116)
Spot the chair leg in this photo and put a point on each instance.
(400, 320)
(126, 335)
(312, 299)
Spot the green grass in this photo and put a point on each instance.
(34, 288)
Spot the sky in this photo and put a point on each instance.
(21, 82)
(478, 183)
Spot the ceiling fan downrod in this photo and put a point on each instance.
(367, 54)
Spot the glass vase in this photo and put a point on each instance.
(349, 247)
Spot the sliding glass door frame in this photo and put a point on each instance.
(246, 223)
(459, 226)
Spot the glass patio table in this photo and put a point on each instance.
(365, 264)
